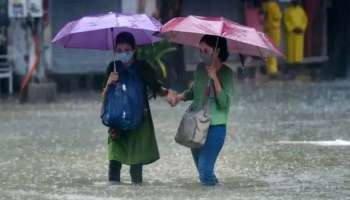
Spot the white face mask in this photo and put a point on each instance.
(125, 57)
(207, 59)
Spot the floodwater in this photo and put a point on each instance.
(286, 140)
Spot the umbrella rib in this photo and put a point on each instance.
(69, 38)
(262, 56)
(222, 28)
(149, 37)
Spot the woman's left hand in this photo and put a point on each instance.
(171, 98)
(212, 72)
(114, 134)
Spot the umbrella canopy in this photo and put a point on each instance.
(240, 39)
(99, 31)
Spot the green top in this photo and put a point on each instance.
(138, 146)
(219, 104)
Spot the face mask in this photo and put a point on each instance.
(125, 57)
(206, 58)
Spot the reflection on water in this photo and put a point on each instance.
(285, 141)
(321, 143)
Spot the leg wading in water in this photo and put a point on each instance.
(205, 157)
(115, 168)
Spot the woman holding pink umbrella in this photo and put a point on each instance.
(213, 52)
(203, 127)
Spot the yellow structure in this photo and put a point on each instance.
(272, 28)
(295, 20)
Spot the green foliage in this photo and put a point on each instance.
(154, 53)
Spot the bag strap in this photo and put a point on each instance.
(207, 93)
(208, 88)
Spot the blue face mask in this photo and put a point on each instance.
(124, 57)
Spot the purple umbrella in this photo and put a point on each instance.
(99, 31)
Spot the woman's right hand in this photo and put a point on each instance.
(113, 77)
(179, 97)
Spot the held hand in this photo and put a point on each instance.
(113, 77)
(171, 98)
(114, 134)
(179, 97)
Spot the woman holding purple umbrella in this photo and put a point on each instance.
(136, 147)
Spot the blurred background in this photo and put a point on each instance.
(288, 131)
(27, 27)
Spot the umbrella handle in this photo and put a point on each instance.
(114, 65)
(216, 47)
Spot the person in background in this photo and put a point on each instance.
(272, 27)
(295, 20)
(254, 16)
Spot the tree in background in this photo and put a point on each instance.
(168, 9)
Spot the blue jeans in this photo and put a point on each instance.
(205, 157)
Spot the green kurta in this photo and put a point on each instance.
(138, 146)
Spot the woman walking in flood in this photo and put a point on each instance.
(137, 147)
(213, 52)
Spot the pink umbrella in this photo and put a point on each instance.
(240, 39)
(99, 31)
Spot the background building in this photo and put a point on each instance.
(326, 39)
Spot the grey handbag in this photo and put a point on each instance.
(194, 126)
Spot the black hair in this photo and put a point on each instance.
(125, 38)
(218, 42)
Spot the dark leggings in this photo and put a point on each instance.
(116, 166)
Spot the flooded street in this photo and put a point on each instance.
(286, 140)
